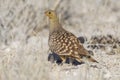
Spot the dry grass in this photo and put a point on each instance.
(24, 35)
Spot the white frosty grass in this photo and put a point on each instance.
(23, 55)
(29, 61)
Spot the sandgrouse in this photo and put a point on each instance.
(64, 43)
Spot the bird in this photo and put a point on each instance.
(63, 42)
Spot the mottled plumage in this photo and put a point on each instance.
(64, 43)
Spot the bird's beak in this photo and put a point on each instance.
(45, 12)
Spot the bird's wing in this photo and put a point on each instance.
(77, 46)
(67, 43)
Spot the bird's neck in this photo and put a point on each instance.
(54, 25)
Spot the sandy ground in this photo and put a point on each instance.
(24, 39)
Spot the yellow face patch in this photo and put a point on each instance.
(51, 14)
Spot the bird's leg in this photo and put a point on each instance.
(63, 59)
(71, 60)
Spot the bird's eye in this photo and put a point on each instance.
(49, 12)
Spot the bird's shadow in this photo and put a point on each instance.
(53, 57)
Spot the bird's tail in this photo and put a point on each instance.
(92, 59)
(89, 58)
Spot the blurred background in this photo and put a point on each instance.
(24, 31)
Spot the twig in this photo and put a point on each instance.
(57, 4)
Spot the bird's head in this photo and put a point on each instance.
(51, 14)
